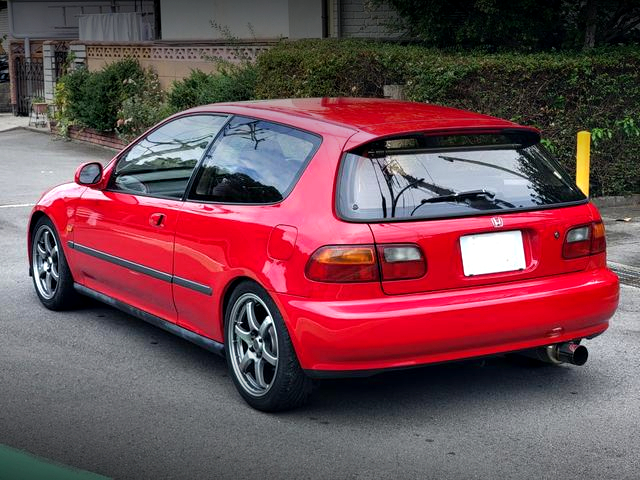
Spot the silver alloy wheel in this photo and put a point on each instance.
(45, 262)
(253, 344)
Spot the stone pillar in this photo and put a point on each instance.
(13, 47)
(79, 52)
(49, 69)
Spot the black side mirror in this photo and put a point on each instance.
(88, 174)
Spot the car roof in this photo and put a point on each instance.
(371, 117)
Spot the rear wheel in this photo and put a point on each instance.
(259, 352)
(51, 276)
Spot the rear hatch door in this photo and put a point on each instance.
(472, 251)
(484, 208)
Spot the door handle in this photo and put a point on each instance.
(156, 220)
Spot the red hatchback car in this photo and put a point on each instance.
(315, 238)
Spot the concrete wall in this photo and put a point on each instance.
(191, 20)
(171, 61)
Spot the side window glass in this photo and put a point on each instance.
(254, 161)
(162, 163)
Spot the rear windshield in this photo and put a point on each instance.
(446, 176)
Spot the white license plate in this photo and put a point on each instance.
(492, 252)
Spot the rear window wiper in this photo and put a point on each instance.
(460, 196)
(454, 197)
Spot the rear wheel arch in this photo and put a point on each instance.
(226, 296)
(228, 292)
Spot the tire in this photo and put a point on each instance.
(50, 272)
(259, 353)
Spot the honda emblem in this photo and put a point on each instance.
(497, 222)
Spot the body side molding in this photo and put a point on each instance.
(136, 267)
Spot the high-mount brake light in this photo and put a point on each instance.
(584, 240)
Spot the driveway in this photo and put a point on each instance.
(98, 390)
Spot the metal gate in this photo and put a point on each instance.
(29, 82)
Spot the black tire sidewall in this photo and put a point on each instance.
(65, 296)
(278, 396)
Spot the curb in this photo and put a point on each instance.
(617, 201)
(28, 129)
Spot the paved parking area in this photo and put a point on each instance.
(100, 391)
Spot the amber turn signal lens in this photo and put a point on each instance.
(343, 264)
(345, 255)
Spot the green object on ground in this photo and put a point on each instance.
(19, 465)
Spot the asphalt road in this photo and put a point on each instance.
(101, 391)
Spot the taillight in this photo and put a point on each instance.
(584, 240)
(343, 264)
(401, 262)
(359, 263)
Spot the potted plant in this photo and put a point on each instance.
(39, 105)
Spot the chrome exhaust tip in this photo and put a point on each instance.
(568, 352)
(573, 353)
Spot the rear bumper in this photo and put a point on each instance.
(333, 338)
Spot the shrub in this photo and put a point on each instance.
(230, 83)
(143, 109)
(558, 93)
(93, 99)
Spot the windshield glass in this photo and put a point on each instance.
(405, 180)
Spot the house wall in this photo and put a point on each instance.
(192, 20)
(4, 28)
(59, 19)
(362, 19)
(305, 18)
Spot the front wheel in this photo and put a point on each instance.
(259, 352)
(51, 276)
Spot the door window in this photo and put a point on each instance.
(254, 161)
(162, 162)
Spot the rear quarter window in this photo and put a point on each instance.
(254, 161)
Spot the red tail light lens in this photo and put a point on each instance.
(401, 262)
(359, 263)
(584, 240)
(343, 264)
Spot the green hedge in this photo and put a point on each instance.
(558, 93)
(94, 99)
(230, 83)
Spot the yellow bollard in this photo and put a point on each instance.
(582, 161)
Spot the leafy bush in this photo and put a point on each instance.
(528, 25)
(93, 99)
(143, 109)
(230, 83)
(558, 93)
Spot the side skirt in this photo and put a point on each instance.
(204, 342)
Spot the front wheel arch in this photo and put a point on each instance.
(35, 218)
